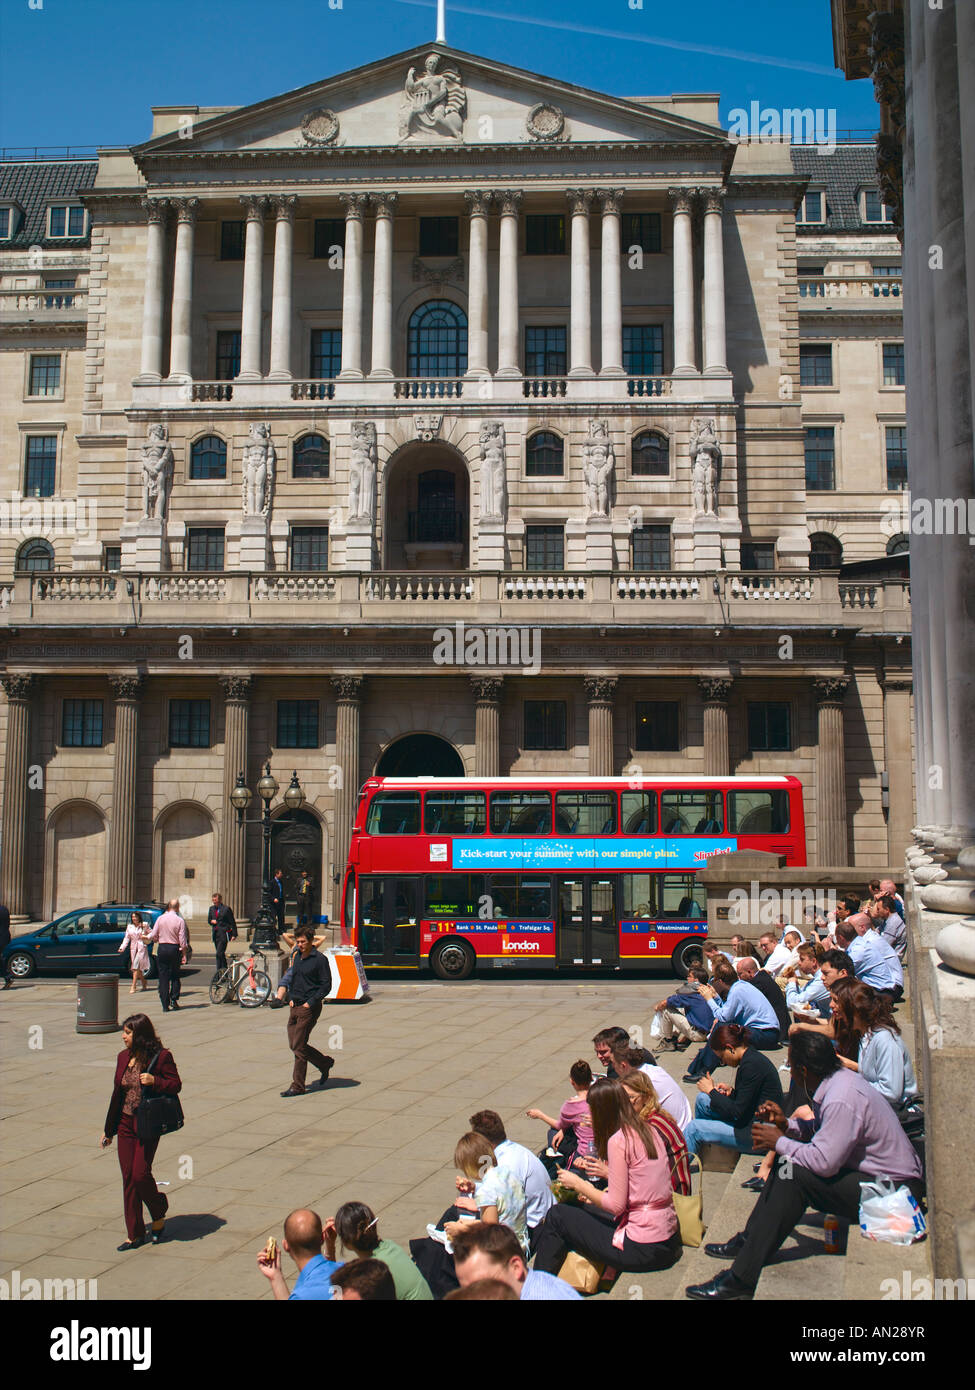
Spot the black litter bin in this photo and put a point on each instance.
(97, 1004)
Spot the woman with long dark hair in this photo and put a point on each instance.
(143, 1050)
(881, 1057)
(633, 1224)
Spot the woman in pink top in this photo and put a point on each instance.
(632, 1225)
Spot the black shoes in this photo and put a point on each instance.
(174, 1005)
(728, 1250)
(132, 1244)
(723, 1288)
(291, 1092)
(689, 1077)
(277, 1003)
(329, 1064)
(754, 1185)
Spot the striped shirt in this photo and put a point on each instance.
(678, 1159)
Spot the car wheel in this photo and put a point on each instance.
(688, 953)
(21, 965)
(452, 960)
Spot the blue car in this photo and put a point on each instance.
(85, 939)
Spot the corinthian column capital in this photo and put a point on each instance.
(682, 199)
(478, 201)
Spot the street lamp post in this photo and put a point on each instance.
(265, 922)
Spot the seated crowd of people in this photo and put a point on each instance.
(620, 1147)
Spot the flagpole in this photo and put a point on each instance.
(441, 22)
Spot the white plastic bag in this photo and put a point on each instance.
(656, 1026)
(890, 1214)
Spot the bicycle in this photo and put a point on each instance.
(251, 988)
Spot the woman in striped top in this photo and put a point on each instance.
(643, 1098)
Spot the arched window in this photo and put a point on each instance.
(650, 455)
(825, 552)
(35, 557)
(898, 545)
(309, 457)
(208, 458)
(438, 340)
(544, 455)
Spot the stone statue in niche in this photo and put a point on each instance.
(362, 472)
(493, 471)
(705, 459)
(598, 467)
(258, 472)
(157, 472)
(436, 102)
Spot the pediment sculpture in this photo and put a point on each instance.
(436, 102)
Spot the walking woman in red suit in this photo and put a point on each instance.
(134, 1156)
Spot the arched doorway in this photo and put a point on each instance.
(185, 858)
(420, 755)
(426, 509)
(78, 840)
(296, 846)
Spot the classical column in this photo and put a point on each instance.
(382, 287)
(600, 691)
(478, 203)
(508, 354)
(281, 287)
(715, 692)
(355, 205)
(898, 763)
(181, 335)
(831, 772)
(348, 693)
(683, 201)
(715, 348)
(253, 295)
(580, 309)
(152, 303)
(237, 691)
(13, 859)
(487, 725)
(611, 284)
(121, 884)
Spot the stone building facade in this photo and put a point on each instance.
(352, 383)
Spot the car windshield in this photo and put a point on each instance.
(44, 931)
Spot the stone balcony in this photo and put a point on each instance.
(19, 306)
(621, 598)
(850, 293)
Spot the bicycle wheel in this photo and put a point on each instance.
(220, 987)
(252, 996)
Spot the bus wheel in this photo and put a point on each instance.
(452, 960)
(688, 953)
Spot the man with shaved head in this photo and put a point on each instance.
(303, 1238)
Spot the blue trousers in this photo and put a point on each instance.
(705, 1130)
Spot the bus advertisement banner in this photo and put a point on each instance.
(513, 853)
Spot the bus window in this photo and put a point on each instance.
(454, 813)
(521, 813)
(371, 916)
(453, 895)
(639, 895)
(759, 813)
(681, 897)
(585, 813)
(691, 813)
(639, 813)
(394, 813)
(511, 895)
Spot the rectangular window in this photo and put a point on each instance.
(874, 208)
(820, 449)
(691, 813)
(439, 236)
(769, 727)
(6, 220)
(228, 354)
(521, 813)
(454, 813)
(893, 364)
(758, 555)
(309, 548)
(681, 897)
(811, 208)
(544, 548)
(76, 221)
(452, 895)
(41, 458)
(232, 241)
(545, 724)
(641, 229)
(758, 813)
(518, 896)
(113, 557)
(657, 726)
(54, 296)
(643, 349)
(651, 548)
(895, 454)
(886, 281)
(545, 234)
(816, 365)
(545, 351)
(585, 813)
(297, 723)
(638, 896)
(394, 813)
(326, 353)
(81, 724)
(189, 723)
(66, 221)
(45, 374)
(204, 548)
(639, 813)
(329, 234)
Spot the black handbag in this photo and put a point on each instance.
(157, 1115)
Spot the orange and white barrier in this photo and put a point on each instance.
(349, 981)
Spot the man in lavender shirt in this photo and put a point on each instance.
(169, 933)
(854, 1137)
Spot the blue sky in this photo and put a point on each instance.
(85, 72)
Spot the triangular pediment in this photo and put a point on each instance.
(436, 96)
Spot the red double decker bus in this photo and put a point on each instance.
(559, 873)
